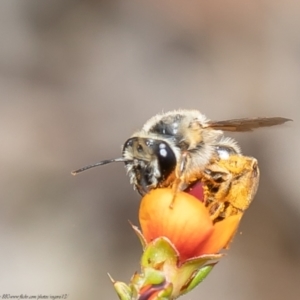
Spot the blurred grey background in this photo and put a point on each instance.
(77, 78)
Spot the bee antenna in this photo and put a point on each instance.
(100, 163)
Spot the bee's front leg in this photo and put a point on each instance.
(180, 180)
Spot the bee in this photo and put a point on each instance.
(178, 148)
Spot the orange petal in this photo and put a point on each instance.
(187, 224)
(221, 236)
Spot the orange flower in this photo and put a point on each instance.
(187, 225)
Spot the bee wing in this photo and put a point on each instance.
(246, 124)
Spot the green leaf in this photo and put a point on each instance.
(139, 235)
(158, 252)
(196, 278)
(153, 277)
(123, 290)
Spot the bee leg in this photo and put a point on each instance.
(231, 210)
(215, 209)
(216, 181)
(179, 173)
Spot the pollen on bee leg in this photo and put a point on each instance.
(215, 208)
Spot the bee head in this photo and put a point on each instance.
(148, 161)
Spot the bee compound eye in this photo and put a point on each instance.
(166, 159)
(162, 150)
